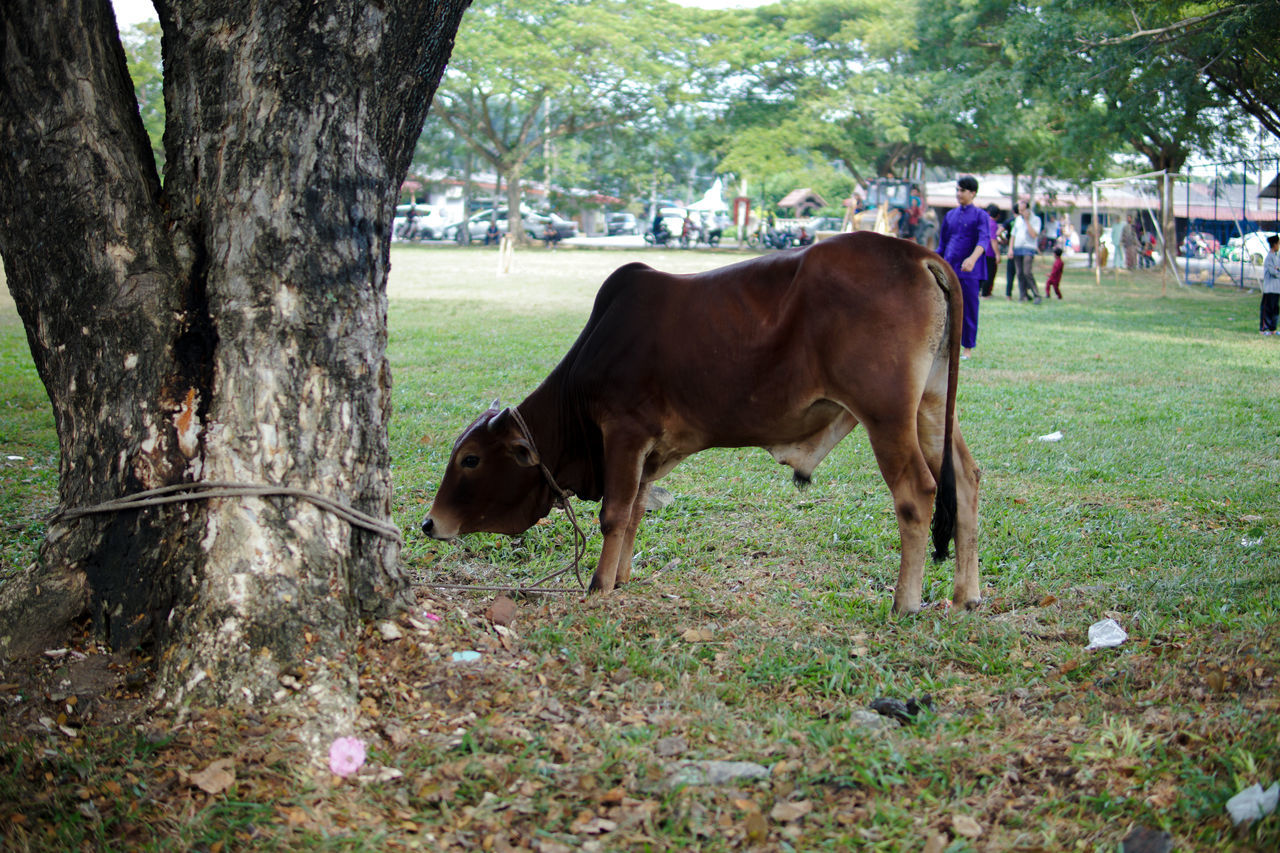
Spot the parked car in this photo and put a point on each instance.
(477, 225)
(564, 227)
(427, 223)
(622, 223)
(822, 227)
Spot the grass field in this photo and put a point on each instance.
(757, 627)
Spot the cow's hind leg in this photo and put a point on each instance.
(964, 477)
(967, 592)
(903, 466)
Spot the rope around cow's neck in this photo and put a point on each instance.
(579, 538)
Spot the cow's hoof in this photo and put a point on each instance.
(968, 604)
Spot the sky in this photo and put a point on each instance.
(131, 12)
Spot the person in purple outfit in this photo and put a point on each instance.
(964, 238)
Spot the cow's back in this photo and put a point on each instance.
(724, 352)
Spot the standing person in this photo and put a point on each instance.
(1054, 281)
(1091, 241)
(1149, 250)
(992, 258)
(1270, 287)
(1129, 242)
(1022, 250)
(914, 214)
(1006, 251)
(964, 238)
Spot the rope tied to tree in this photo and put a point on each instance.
(184, 492)
(209, 490)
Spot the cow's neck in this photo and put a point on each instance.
(562, 442)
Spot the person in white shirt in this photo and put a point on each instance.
(1022, 250)
(1270, 288)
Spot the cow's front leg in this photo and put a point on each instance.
(621, 487)
(629, 537)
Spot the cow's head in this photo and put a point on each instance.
(493, 484)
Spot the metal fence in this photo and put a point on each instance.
(1225, 213)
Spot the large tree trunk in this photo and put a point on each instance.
(228, 328)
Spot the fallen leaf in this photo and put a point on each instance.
(588, 824)
(502, 611)
(935, 844)
(966, 826)
(669, 746)
(295, 817)
(697, 635)
(788, 812)
(757, 827)
(216, 778)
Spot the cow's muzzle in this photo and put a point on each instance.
(434, 530)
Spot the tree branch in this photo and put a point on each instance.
(1178, 27)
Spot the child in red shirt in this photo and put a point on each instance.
(1054, 281)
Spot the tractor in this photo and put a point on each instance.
(887, 211)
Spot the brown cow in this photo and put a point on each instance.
(788, 352)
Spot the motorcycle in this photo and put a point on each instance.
(413, 229)
(772, 238)
(661, 238)
(693, 234)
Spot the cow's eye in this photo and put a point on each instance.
(470, 461)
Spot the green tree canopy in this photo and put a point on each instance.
(528, 72)
(1232, 45)
(632, 97)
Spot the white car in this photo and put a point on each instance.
(534, 225)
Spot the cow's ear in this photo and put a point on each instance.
(526, 455)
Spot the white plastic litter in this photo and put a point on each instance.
(466, 657)
(1105, 634)
(1253, 803)
(1056, 435)
(1250, 541)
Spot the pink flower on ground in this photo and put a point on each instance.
(346, 755)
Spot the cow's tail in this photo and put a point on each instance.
(944, 509)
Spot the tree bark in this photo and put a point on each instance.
(515, 217)
(228, 327)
